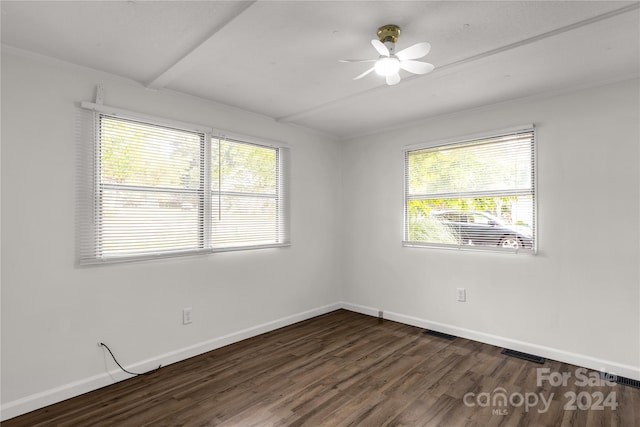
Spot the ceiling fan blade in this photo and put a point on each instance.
(416, 51)
(380, 47)
(356, 60)
(365, 73)
(393, 79)
(416, 67)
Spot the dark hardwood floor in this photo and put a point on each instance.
(345, 369)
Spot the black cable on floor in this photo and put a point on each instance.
(128, 372)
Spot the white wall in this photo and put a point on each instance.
(54, 313)
(578, 300)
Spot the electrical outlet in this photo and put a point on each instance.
(462, 294)
(186, 315)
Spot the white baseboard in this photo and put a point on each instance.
(58, 394)
(76, 388)
(547, 352)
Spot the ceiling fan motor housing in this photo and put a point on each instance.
(388, 33)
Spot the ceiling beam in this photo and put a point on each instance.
(193, 57)
(632, 7)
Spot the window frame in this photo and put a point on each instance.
(280, 197)
(90, 194)
(470, 139)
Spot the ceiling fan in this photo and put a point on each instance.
(389, 62)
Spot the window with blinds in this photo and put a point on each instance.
(477, 194)
(246, 195)
(166, 191)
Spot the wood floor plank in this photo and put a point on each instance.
(341, 369)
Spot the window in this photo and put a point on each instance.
(246, 195)
(166, 190)
(477, 194)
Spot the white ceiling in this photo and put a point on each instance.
(280, 58)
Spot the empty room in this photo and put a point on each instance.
(320, 213)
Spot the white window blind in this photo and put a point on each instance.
(246, 193)
(150, 188)
(161, 190)
(477, 194)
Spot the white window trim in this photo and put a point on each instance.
(132, 115)
(89, 203)
(212, 131)
(467, 137)
(461, 140)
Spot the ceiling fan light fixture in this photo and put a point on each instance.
(390, 62)
(387, 65)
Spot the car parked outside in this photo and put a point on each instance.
(481, 228)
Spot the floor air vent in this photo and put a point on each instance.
(439, 335)
(524, 356)
(620, 380)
